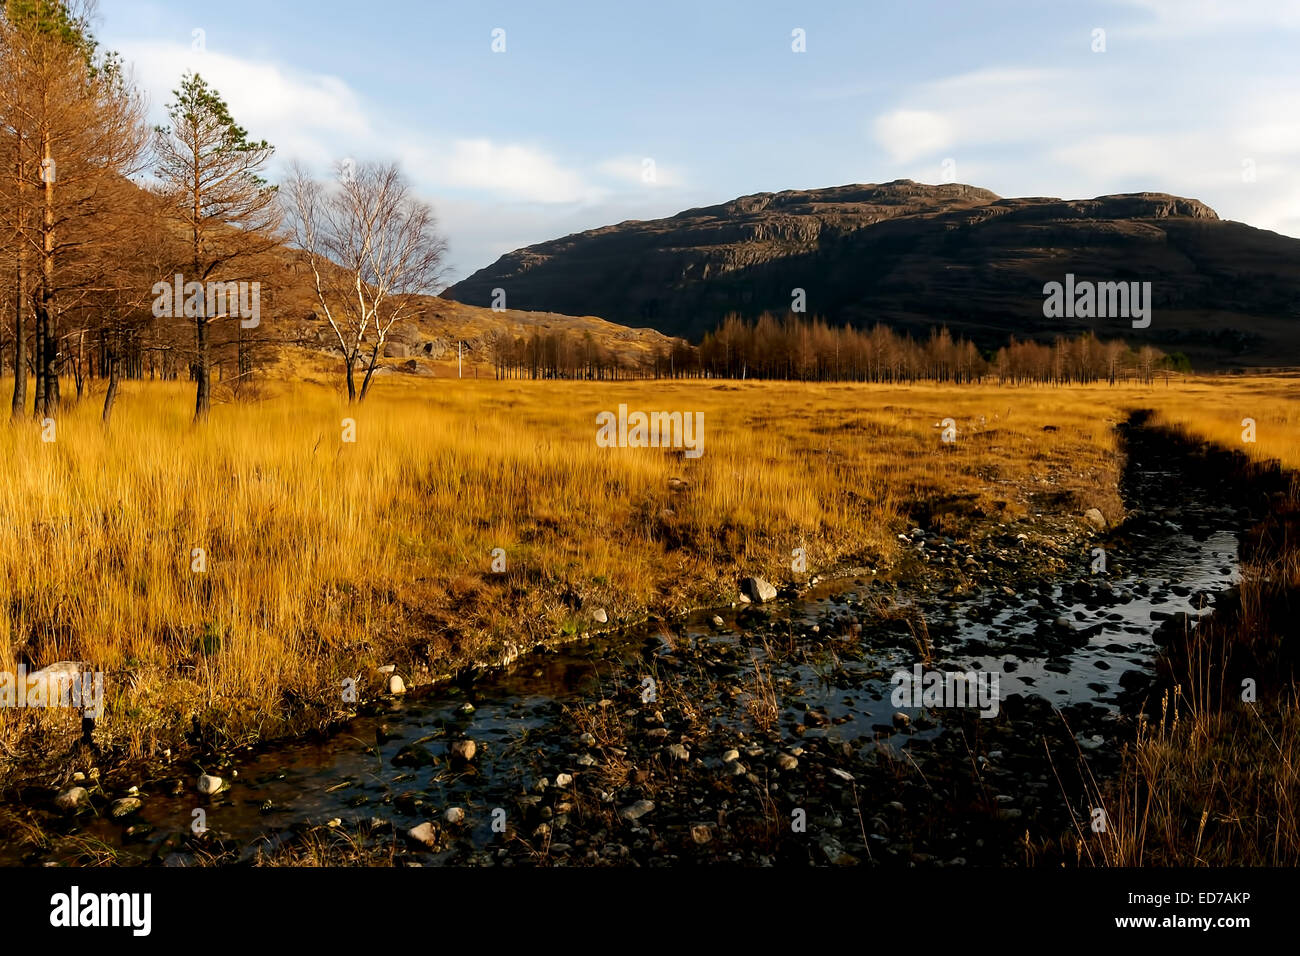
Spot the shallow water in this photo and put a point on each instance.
(351, 776)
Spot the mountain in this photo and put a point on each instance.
(914, 256)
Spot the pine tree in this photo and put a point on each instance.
(209, 175)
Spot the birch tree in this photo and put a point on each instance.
(371, 247)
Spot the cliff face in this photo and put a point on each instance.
(913, 256)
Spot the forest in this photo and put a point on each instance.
(798, 349)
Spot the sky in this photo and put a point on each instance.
(525, 121)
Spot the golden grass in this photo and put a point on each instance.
(1214, 780)
(325, 558)
(1213, 410)
(1206, 788)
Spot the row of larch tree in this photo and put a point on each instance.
(799, 348)
(795, 348)
(87, 242)
(97, 208)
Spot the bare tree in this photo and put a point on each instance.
(372, 247)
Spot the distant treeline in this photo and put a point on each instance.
(798, 349)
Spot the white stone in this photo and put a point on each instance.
(637, 810)
(464, 749)
(425, 833)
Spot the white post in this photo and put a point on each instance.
(458, 345)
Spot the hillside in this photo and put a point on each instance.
(914, 255)
(429, 336)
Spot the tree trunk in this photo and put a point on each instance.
(114, 374)
(48, 310)
(20, 290)
(38, 360)
(244, 360)
(79, 368)
(52, 398)
(20, 343)
(203, 394)
(203, 397)
(370, 371)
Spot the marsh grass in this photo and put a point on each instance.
(762, 702)
(325, 558)
(1213, 779)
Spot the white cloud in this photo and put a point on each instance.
(908, 134)
(1208, 16)
(511, 171)
(304, 115)
(1003, 107)
(640, 171)
(319, 119)
(1072, 133)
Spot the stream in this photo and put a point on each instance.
(662, 744)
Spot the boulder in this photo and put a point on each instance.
(72, 800)
(757, 590)
(425, 834)
(124, 807)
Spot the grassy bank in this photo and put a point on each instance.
(1213, 776)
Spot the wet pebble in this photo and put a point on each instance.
(637, 810)
(426, 834)
(464, 749)
(124, 807)
(75, 798)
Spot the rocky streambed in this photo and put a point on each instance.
(773, 733)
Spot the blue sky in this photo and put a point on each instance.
(1195, 97)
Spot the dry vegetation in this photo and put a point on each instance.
(1212, 779)
(1212, 409)
(325, 558)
